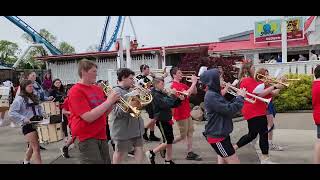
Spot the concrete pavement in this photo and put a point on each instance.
(294, 130)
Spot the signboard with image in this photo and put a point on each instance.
(270, 30)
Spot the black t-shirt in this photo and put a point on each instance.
(145, 79)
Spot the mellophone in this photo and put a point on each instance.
(49, 129)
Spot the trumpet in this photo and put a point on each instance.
(265, 79)
(188, 78)
(293, 79)
(123, 104)
(233, 89)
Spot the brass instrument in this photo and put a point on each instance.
(269, 79)
(123, 104)
(233, 89)
(144, 96)
(293, 79)
(162, 72)
(188, 78)
(188, 75)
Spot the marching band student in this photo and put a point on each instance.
(316, 112)
(88, 107)
(66, 116)
(126, 131)
(219, 113)
(25, 109)
(181, 114)
(162, 104)
(255, 113)
(147, 112)
(271, 114)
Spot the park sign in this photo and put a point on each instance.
(270, 30)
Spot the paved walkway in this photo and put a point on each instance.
(295, 131)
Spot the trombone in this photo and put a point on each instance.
(188, 75)
(188, 78)
(265, 79)
(233, 89)
(122, 104)
(162, 72)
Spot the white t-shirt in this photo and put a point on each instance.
(314, 57)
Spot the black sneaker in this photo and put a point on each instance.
(193, 156)
(163, 153)
(169, 162)
(42, 148)
(154, 138)
(150, 157)
(145, 137)
(131, 153)
(25, 163)
(65, 152)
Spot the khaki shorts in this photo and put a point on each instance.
(93, 151)
(185, 127)
(126, 145)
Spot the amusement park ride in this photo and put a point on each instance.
(105, 42)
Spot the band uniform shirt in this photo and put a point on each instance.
(183, 111)
(251, 110)
(316, 101)
(83, 98)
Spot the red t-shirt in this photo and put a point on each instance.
(316, 101)
(256, 109)
(83, 98)
(183, 111)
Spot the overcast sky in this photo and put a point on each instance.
(83, 31)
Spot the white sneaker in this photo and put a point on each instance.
(267, 161)
(274, 147)
(12, 125)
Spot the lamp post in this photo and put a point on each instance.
(284, 39)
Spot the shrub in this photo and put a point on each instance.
(297, 96)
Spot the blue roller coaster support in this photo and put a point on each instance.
(104, 34)
(36, 37)
(114, 35)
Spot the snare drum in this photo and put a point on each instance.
(49, 133)
(50, 108)
(4, 98)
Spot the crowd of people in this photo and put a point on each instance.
(94, 113)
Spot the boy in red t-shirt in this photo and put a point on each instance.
(181, 114)
(88, 107)
(316, 111)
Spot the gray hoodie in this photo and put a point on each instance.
(122, 125)
(218, 110)
(20, 112)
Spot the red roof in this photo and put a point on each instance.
(250, 45)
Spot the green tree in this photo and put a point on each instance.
(66, 48)
(8, 52)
